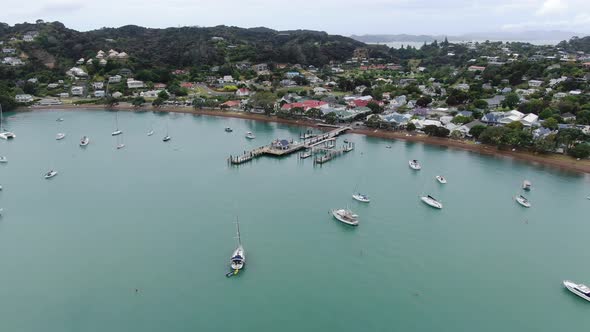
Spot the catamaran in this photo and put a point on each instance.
(117, 131)
(431, 201)
(441, 179)
(60, 136)
(523, 201)
(50, 174)
(414, 164)
(238, 258)
(84, 141)
(526, 185)
(581, 290)
(346, 216)
(249, 135)
(5, 134)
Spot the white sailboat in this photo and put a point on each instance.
(441, 179)
(50, 174)
(5, 134)
(238, 257)
(167, 137)
(346, 216)
(415, 165)
(359, 196)
(120, 143)
(249, 135)
(60, 136)
(3, 159)
(117, 131)
(523, 201)
(84, 141)
(151, 132)
(431, 201)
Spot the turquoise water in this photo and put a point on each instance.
(159, 217)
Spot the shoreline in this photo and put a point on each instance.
(556, 161)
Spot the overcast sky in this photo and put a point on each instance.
(333, 16)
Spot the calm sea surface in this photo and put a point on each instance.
(159, 217)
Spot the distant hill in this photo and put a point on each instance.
(577, 44)
(191, 46)
(504, 36)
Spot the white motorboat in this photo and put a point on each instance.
(117, 131)
(60, 136)
(84, 141)
(5, 134)
(238, 257)
(581, 290)
(50, 174)
(523, 201)
(3, 159)
(441, 179)
(414, 164)
(228, 130)
(249, 135)
(305, 154)
(361, 197)
(150, 133)
(346, 216)
(59, 119)
(120, 146)
(388, 146)
(431, 201)
(526, 185)
(166, 138)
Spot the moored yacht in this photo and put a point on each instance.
(5, 134)
(581, 290)
(346, 216)
(526, 185)
(60, 136)
(228, 130)
(150, 133)
(249, 135)
(523, 201)
(431, 201)
(50, 174)
(238, 257)
(84, 141)
(166, 138)
(120, 146)
(441, 179)
(414, 164)
(117, 131)
(3, 159)
(361, 197)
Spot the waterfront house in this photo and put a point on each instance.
(117, 94)
(530, 120)
(396, 118)
(49, 102)
(281, 144)
(134, 84)
(464, 129)
(77, 91)
(492, 117)
(97, 85)
(23, 98)
(243, 92)
(115, 79)
(231, 104)
(306, 105)
(150, 93)
(63, 95)
(541, 132)
(99, 94)
(510, 117)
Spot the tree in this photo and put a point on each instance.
(375, 108)
(546, 113)
(455, 134)
(481, 104)
(163, 95)
(111, 101)
(331, 118)
(494, 135)
(581, 150)
(424, 101)
(515, 125)
(264, 100)
(550, 123)
(314, 113)
(476, 130)
(569, 136)
(410, 126)
(511, 100)
(430, 130)
(583, 117)
(460, 119)
(158, 102)
(138, 101)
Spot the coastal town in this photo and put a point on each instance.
(512, 95)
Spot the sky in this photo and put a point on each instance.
(345, 17)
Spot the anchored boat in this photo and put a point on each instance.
(523, 201)
(346, 216)
(60, 136)
(249, 135)
(441, 179)
(3, 159)
(238, 258)
(117, 131)
(414, 164)
(84, 141)
(526, 185)
(361, 197)
(228, 130)
(431, 201)
(50, 174)
(5, 134)
(581, 290)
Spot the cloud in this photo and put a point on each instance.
(552, 7)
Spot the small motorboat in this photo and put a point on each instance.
(523, 201)
(346, 216)
(441, 179)
(249, 135)
(60, 136)
(3, 159)
(431, 201)
(150, 133)
(7, 135)
(361, 197)
(388, 146)
(414, 164)
(228, 130)
(581, 290)
(305, 154)
(166, 138)
(84, 141)
(120, 146)
(526, 185)
(59, 119)
(50, 174)
(116, 132)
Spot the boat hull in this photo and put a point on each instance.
(526, 204)
(571, 287)
(117, 132)
(361, 198)
(441, 180)
(338, 217)
(432, 203)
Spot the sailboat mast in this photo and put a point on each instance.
(238, 227)
(1, 122)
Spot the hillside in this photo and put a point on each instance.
(188, 46)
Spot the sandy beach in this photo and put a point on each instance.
(561, 162)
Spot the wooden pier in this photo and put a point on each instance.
(279, 148)
(331, 154)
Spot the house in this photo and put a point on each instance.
(77, 91)
(23, 98)
(464, 129)
(90, 61)
(319, 91)
(231, 104)
(7, 50)
(99, 94)
(117, 94)
(462, 86)
(529, 120)
(261, 67)
(134, 84)
(13, 61)
(541, 132)
(535, 83)
(511, 116)
(125, 72)
(49, 102)
(227, 79)
(122, 56)
(476, 68)
(282, 144)
(115, 79)
(33, 80)
(495, 101)
(243, 92)
(97, 85)
(28, 38)
(63, 95)
(80, 61)
(396, 118)
(292, 74)
(150, 93)
(559, 95)
(159, 86)
(77, 72)
(492, 117)
(288, 83)
(52, 85)
(568, 117)
(102, 62)
(306, 105)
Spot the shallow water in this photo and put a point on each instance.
(159, 217)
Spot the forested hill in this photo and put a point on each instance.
(576, 44)
(189, 46)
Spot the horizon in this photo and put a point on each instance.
(374, 17)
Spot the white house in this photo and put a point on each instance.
(115, 79)
(97, 85)
(76, 72)
(511, 116)
(49, 102)
(77, 91)
(529, 120)
(227, 79)
(243, 92)
(150, 93)
(535, 83)
(63, 95)
(80, 61)
(134, 84)
(117, 94)
(99, 93)
(319, 91)
(23, 98)
(52, 85)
